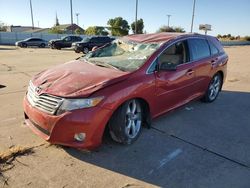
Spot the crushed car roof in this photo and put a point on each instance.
(154, 37)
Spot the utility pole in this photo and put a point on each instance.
(77, 14)
(31, 15)
(136, 10)
(168, 18)
(192, 23)
(71, 10)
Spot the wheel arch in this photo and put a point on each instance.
(147, 120)
(220, 72)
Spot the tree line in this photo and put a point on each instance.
(117, 27)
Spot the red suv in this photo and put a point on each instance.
(122, 86)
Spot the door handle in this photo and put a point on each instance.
(213, 61)
(190, 72)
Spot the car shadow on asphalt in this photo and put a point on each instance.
(2, 86)
(186, 145)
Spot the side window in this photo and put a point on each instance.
(199, 48)
(213, 48)
(67, 39)
(174, 55)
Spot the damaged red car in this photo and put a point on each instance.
(122, 86)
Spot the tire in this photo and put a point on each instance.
(214, 88)
(24, 45)
(52, 46)
(42, 45)
(126, 123)
(85, 50)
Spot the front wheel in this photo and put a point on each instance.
(85, 50)
(213, 88)
(126, 123)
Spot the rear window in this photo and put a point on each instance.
(199, 48)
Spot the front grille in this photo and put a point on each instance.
(44, 102)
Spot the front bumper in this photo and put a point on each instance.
(61, 129)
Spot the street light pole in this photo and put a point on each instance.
(77, 14)
(136, 9)
(31, 11)
(71, 10)
(168, 18)
(192, 23)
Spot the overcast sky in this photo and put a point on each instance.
(230, 16)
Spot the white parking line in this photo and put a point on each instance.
(167, 159)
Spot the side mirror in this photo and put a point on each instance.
(167, 66)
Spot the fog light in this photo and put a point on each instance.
(80, 137)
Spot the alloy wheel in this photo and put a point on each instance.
(133, 119)
(214, 87)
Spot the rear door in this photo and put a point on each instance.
(201, 58)
(174, 87)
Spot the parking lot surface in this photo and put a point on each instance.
(197, 145)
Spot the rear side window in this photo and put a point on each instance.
(213, 48)
(199, 48)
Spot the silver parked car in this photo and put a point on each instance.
(32, 42)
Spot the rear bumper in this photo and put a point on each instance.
(61, 129)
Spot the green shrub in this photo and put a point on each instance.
(247, 38)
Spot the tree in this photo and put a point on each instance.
(165, 28)
(140, 26)
(96, 30)
(219, 36)
(118, 26)
(55, 30)
(3, 27)
(79, 31)
(179, 30)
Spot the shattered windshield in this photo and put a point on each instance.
(125, 56)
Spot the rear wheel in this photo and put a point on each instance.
(126, 123)
(213, 88)
(42, 45)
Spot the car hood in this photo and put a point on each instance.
(55, 40)
(76, 79)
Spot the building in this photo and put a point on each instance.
(68, 28)
(18, 28)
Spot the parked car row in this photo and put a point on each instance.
(76, 42)
(32, 42)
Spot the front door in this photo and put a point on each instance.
(175, 78)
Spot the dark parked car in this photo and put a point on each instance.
(32, 42)
(88, 43)
(64, 42)
(122, 86)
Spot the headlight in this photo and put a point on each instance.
(77, 44)
(74, 104)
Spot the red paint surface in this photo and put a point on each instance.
(163, 91)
